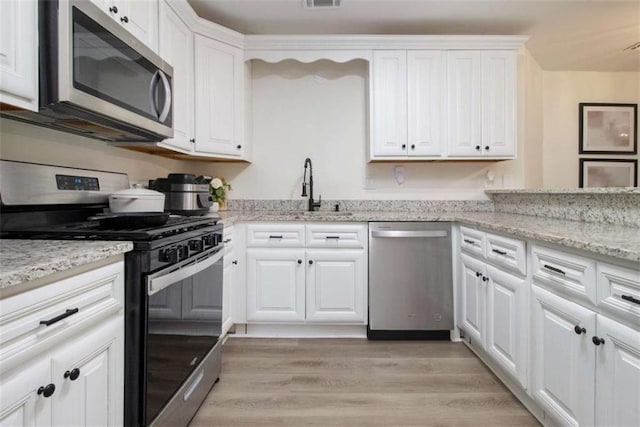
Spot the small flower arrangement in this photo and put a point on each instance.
(218, 189)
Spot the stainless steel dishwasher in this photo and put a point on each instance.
(410, 280)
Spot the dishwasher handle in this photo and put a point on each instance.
(410, 233)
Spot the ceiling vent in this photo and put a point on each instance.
(321, 4)
(635, 46)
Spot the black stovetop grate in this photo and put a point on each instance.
(94, 230)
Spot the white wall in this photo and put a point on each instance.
(562, 92)
(319, 111)
(28, 143)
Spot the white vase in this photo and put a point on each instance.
(215, 207)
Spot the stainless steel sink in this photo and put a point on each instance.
(322, 213)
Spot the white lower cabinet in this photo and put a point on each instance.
(288, 284)
(617, 374)
(473, 298)
(69, 372)
(506, 322)
(89, 393)
(228, 279)
(335, 286)
(563, 362)
(275, 285)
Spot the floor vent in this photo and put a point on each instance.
(321, 4)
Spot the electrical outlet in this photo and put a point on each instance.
(369, 182)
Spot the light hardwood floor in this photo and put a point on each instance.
(355, 382)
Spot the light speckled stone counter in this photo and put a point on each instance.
(22, 261)
(604, 239)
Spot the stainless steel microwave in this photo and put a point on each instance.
(96, 79)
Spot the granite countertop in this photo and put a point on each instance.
(604, 239)
(26, 260)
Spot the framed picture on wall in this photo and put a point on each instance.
(608, 128)
(608, 173)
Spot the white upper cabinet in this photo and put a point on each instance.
(176, 47)
(425, 102)
(407, 103)
(19, 53)
(139, 17)
(481, 97)
(218, 98)
(389, 101)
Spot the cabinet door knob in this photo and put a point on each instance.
(299, 261)
(478, 274)
(485, 279)
(597, 340)
(113, 9)
(238, 146)
(72, 374)
(413, 146)
(486, 147)
(579, 330)
(192, 140)
(124, 19)
(478, 147)
(310, 261)
(47, 390)
(404, 146)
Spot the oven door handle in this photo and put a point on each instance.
(156, 284)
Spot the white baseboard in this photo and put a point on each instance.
(301, 331)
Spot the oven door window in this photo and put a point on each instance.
(184, 323)
(107, 68)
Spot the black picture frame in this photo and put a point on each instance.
(618, 111)
(584, 163)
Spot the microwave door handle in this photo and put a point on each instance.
(156, 284)
(152, 93)
(167, 98)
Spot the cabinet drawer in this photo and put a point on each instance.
(619, 291)
(507, 252)
(571, 274)
(95, 294)
(275, 235)
(336, 236)
(472, 241)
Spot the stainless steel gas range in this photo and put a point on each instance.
(173, 287)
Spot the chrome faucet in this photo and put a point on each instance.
(313, 205)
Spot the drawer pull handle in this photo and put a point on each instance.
(333, 237)
(578, 330)
(72, 374)
(226, 241)
(67, 313)
(554, 269)
(630, 299)
(471, 242)
(597, 340)
(275, 237)
(47, 390)
(499, 252)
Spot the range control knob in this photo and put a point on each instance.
(217, 237)
(196, 245)
(183, 252)
(209, 240)
(169, 255)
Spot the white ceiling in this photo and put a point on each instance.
(586, 35)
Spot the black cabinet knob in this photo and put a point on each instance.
(124, 19)
(485, 279)
(310, 261)
(597, 340)
(404, 146)
(192, 140)
(72, 374)
(413, 146)
(113, 9)
(238, 146)
(299, 261)
(47, 390)
(234, 262)
(486, 147)
(580, 330)
(478, 274)
(478, 147)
